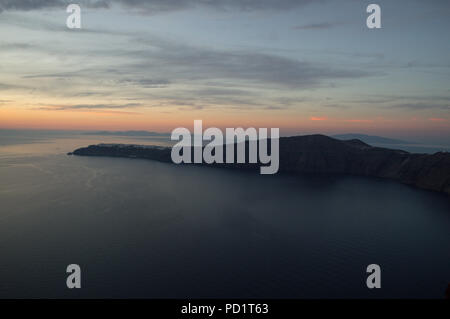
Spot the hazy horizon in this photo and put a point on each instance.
(443, 141)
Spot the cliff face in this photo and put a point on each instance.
(323, 154)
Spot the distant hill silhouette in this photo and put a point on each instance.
(324, 155)
(126, 133)
(370, 139)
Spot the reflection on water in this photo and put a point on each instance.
(146, 229)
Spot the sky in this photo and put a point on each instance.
(301, 65)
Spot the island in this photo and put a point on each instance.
(320, 154)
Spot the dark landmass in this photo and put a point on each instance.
(324, 155)
(370, 139)
(126, 133)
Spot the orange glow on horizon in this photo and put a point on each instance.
(314, 118)
(166, 119)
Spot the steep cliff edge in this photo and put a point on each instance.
(323, 154)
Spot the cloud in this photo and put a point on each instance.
(217, 91)
(403, 101)
(28, 5)
(88, 106)
(335, 106)
(145, 66)
(7, 86)
(358, 121)
(189, 63)
(316, 26)
(422, 106)
(89, 93)
(155, 6)
(146, 83)
(275, 108)
(173, 64)
(16, 46)
(434, 119)
(36, 22)
(241, 5)
(315, 118)
(5, 101)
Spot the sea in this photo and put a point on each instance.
(145, 229)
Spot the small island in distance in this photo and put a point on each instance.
(321, 154)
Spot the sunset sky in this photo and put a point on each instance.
(304, 66)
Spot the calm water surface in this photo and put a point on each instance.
(146, 229)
